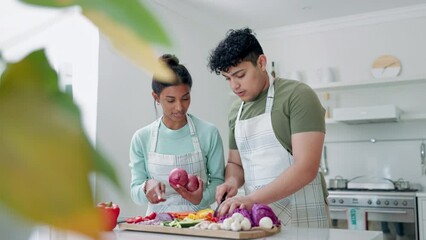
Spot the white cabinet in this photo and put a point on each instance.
(334, 86)
(422, 216)
(375, 87)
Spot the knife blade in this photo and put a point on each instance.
(221, 201)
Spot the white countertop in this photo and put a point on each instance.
(287, 233)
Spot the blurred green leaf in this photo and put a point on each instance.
(131, 14)
(128, 24)
(45, 156)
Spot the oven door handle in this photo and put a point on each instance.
(338, 209)
(371, 211)
(386, 211)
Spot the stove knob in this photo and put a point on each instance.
(404, 203)
(333, 200)
(369, 202)
(395, 203)
(341, 201)
(378, 202)
(386, 202)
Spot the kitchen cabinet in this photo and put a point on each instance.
(421, 200)
(340, 87)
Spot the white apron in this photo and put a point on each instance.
(264, 158)
(160, 165)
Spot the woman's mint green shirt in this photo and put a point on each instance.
(178, 142)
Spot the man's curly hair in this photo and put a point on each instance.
(238, 46)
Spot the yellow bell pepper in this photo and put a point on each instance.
(204, 213)
(192, 216)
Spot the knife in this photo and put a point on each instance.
(221, 201)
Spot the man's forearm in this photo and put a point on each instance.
(234, 174)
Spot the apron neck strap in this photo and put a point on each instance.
(156, 127)
(269, 98)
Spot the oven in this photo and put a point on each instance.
(391, 211)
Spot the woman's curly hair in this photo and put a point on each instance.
(238, 46)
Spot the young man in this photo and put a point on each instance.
(277, 132)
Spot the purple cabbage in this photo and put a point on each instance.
(258, 211)
(246, 213)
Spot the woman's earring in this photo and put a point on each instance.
(158, 103)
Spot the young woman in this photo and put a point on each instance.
(175, 140)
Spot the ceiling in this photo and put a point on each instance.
(256, 14)
(264, 14)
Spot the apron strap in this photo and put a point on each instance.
(193, 131)
(156, 126)
(270, 97)
(154, 134)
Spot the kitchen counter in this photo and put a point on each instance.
(288, 233)
(421, 194)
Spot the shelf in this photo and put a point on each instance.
(334, 86)
(403, 117)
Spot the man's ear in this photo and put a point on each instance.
(261, 62)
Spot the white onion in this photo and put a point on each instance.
(238, 217)
(236, 226)
(214, 226)
(245, 224)
(226, 225)
(265, 222)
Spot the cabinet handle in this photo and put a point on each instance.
(324, 161)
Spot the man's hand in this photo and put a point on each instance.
(226, 187)
(230, 204)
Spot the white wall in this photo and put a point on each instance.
(349, 46)
(71, 43)
(126, 104)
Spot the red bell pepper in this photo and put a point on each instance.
(109, 212)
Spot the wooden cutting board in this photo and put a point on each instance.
(253, 233)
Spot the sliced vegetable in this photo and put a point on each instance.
(130, 220)
(180, 215)
(204, 213)
(151, 216)
(139, 219)
(186, 223)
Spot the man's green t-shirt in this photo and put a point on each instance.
(296, 109)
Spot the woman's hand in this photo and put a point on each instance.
(230, 204)
(155, 191)
(194, 197)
